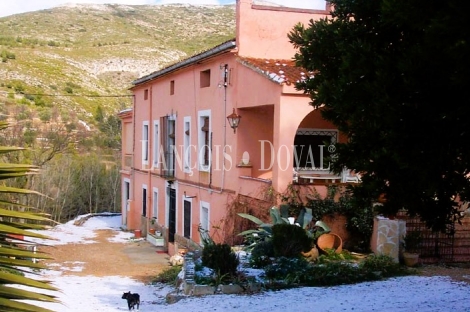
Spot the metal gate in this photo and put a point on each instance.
(436, 247)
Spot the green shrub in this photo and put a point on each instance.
(168, 275)
(383, 264)
(288, 271)
(290, 240)
(333, 273)
(220, 258)
(261, 254)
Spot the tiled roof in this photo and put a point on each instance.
(280, 71)
(221, 48)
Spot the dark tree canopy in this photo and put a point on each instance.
(394, 75)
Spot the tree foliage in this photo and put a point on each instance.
(393, 75)
(110, 129)
(80, 170)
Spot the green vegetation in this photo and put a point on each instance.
(86, 51)
(280, 272)
(168, 275)
(290, 240)
(80, 168)
(412, 241)
(7, 55)
(377, 67)
(221, 259)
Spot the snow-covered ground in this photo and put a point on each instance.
(90, 293)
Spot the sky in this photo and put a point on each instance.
(9, 7)
(90, 293)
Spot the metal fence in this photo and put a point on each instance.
(436, 247)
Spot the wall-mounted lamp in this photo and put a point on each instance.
(234, 120)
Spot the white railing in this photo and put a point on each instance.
(312, 174)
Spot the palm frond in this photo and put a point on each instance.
(16, 222)
(7, 278)
(16, 306)
(15, 293)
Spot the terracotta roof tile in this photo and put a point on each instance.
(280, 71)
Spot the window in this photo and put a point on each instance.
(156, 144)
(187, 219)
(205, 78)
(172, 87)
(187, 143)
(155, 203)
(204, 140)
(128, 138)
(312, 148)
(167, 140)
(126, 195)
(204, 222)
(144, 200)
(145, 142)
(146, 94)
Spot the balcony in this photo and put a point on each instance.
(324, 176)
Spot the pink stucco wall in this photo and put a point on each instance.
(271, 113)
(262, 31)
(188, 100)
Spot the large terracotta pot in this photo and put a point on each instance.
(410, 259)
(330, 241)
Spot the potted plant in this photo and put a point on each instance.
(151, 229)
(411, 243)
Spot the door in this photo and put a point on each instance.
(144, 202)
(125, 202)
(171, 215)
(187, 219)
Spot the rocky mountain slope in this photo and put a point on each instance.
(76, 57)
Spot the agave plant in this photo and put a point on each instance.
(16, 262)
(279, 215)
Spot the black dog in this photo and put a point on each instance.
(132, 300)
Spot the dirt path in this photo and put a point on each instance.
(458, 273)
(135, 259)
(139, 260)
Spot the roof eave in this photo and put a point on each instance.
(224, 47)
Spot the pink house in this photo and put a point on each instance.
(183, 162)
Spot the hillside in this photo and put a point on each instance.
(52, 58)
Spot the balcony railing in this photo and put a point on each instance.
(324, 175)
